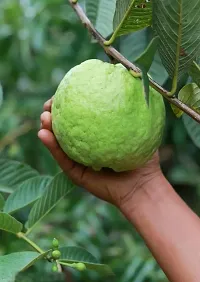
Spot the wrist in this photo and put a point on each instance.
(150, 191)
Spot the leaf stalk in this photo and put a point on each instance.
(21, 235)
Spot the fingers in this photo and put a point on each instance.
(72, 169)
(47, 105)
(46, 121)
(49, 140)
(79, 174)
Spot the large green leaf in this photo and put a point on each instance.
(76, 254)
(189, 95)
(130, 16)
(194, 72)
(9, 223)
(101, 13)
(133, 45)
(177, 23)
(193, 129)
(12, 173)
(2, 201)
(13, 263)
(59, 187)
(26, 193)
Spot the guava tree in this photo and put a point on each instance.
(155, 40)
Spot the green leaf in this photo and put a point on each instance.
(2, 201)
(145, 81)
(101, 13)
(193, 129)
(1, 95)
(134, 44)
(26, 193)
(12, 173)
(194, 72)
(9, 223)
(76, 254)
(157, 70)
(13, 263)
(58, 188)
(189, 95)
(145, 269)
(130, 16)
(144, 62)
(177, 24)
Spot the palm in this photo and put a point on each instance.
(106, 184)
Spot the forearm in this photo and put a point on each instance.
(169, 227)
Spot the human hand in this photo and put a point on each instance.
(116, 188)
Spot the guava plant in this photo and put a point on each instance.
(159, 38)
(27, 187)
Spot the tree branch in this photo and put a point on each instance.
(112, 52)
(13, 135)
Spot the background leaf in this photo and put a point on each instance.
(133, 45)
(190, 95)
(194, 72)
(144, 62)
(193, 129)
(76, 254)
(9, 223)
(146, 58)
(157, 70)
(147, 267)
(12, 173)
(13, 263)
(131, 15)
(26, 193)
(101, 13)
(2, 201)
(1, 94)
(59, 187)
(177, 24)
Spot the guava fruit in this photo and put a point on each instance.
(56, 254)
(101, 119)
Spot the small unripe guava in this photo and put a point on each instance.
(54, 268)
(56, 254)
(55, 243)
(80, 266)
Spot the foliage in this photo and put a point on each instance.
(101, 15)
(39, 42)
(179, 48)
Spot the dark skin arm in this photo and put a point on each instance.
(169, 227)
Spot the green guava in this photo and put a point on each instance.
(101, 119)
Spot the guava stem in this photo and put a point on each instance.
(21, 235)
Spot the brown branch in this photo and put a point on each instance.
(67, 274)
(112, 52)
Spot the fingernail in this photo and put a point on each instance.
(39, 134)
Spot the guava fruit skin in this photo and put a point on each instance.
(101, 119)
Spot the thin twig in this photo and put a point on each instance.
(13, 135)
(30, 242)
(112, 52)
